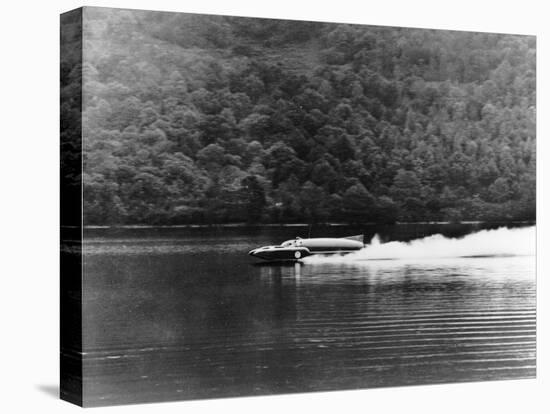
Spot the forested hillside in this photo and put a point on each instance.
(207, 119)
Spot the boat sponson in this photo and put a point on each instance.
(280, 253)
(331, 244)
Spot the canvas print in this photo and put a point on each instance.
(260, 206)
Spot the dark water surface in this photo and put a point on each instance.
(185, 313)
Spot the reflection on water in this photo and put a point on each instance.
(192, 316)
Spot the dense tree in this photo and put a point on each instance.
(255, 198)
(210, 119)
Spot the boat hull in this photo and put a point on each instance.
(277, 254)
(300, 248)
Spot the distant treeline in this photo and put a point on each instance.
(207, 119)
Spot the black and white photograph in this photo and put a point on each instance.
(265, 207)
(262, 207)
(274, 206)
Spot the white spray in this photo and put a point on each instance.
(485, 243)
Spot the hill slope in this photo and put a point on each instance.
(191, 118)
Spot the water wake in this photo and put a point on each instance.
(485, 243)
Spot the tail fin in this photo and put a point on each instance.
(358, 238)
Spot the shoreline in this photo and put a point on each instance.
(241, 225)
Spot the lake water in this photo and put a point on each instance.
(179, 313)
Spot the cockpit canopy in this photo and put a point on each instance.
(291, 243)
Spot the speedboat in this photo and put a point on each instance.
(298, 248)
